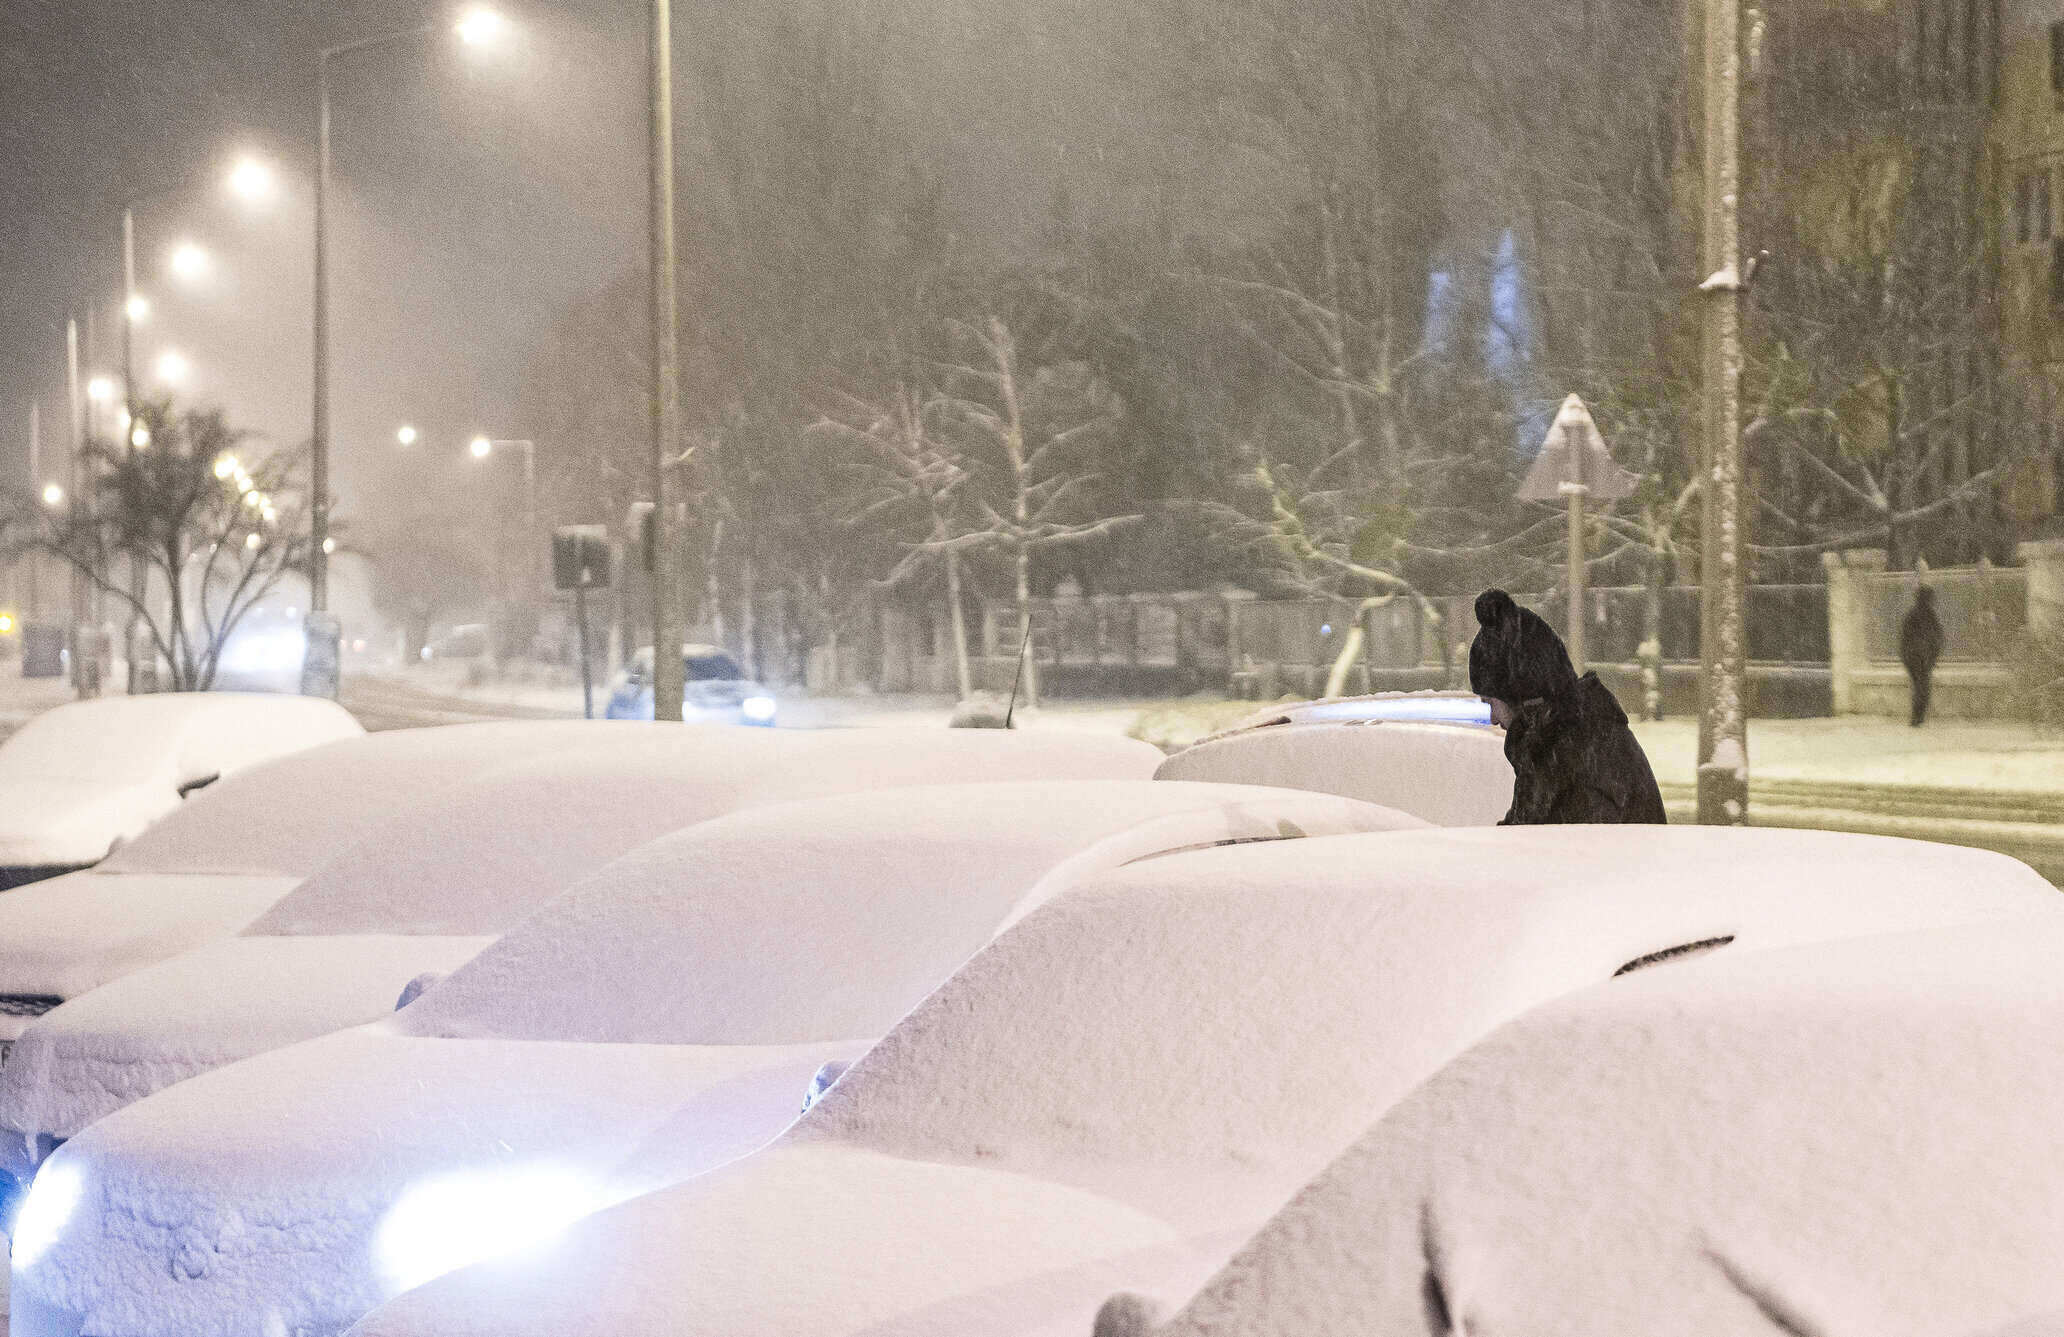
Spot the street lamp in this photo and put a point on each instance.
(318, 675)
(189, 262)
(173, 368)
(252, 180)
(481, 447)
(137, 307)
(53, 495)
(480, 26)
(100, 389)
(405, 434)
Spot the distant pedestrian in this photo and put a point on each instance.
(1920, 646)
(1573, 757)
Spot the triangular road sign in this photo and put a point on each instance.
(1573, 443)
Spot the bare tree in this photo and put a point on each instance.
(214, 534)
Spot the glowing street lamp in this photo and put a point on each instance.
(100, 389)
(481, 447)
(252, 180)
(139, 436)
(405, 434)
(480, 26)
(137, 307)
(190, 263)
(53, 495)
(173, 368)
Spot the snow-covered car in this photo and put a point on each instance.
(78, 780)
(1848, 1138)
(225, 855)
(715, 690)
(427, 889)
(1125, 1085)
(1432, 754)
(682, 999)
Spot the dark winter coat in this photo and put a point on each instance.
(1573, 757)
(1920, 634)
(1575, 760)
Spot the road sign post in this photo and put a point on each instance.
(1573, 466)
(580, 562)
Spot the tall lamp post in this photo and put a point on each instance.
(668, 671)
(319, 666)
(482, 447)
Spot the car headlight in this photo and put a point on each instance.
(759, 709)
(453, 1220)
(53, 1197)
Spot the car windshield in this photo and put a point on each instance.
(713, 666)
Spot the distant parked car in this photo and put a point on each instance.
(80, 779)
(1120, 1089)
(1435, 755)
(679, 1001)
(426, 889)
(1852, 1137)
(716, 691)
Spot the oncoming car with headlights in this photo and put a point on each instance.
(715, 690)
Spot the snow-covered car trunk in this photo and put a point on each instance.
(1128, 1082)
(437, 883)
(77, 781)
(1451, 774)
(1856, 1137)
(219, 861)
(662, 1018)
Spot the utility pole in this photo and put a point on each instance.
(1723, 771)
(34, 611)
(142, 657)
(667, 668)
(87, 636)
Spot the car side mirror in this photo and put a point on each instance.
(202, 782)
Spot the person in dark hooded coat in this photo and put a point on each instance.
(1573, 757)
(1920, 646)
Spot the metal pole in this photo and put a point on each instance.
(142, 670)
(580, 623)
(667, 669)
(1723, 773)
(85, 646)
(35, 559)
(1579, 446)
(319, 664)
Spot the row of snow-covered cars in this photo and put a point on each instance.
(587, 1030)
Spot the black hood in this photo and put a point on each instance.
(1516, 656)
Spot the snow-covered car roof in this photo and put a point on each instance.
(1436, 706)
(1448, 775)
(720, 934)
(734, 957)
(1128, 1082)
(1848, 1138)
(498, 848)
(82, 777)
(288, 817)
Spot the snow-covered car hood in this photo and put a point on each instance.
(71, 934)
(860, 1241)
(212, 1006)
(335, 1206)
(46, 822)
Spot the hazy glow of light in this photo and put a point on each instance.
(406, 434)
(329, 545)
(250, 540)
(225, 465)
(758, 709)
(138, 307)
(100, 389)
(480, 25)
(481, 447)
(189, 262)
(139, 436)
(6, 624)
(53, 1197)
(173, 368)
(451, 1220)
(53, 495)
(252, 180)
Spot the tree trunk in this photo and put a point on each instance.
(713, 588)
(1021, 500)
(1028, 690)
(1350, 651)
(1651, 653)
(963, 675)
